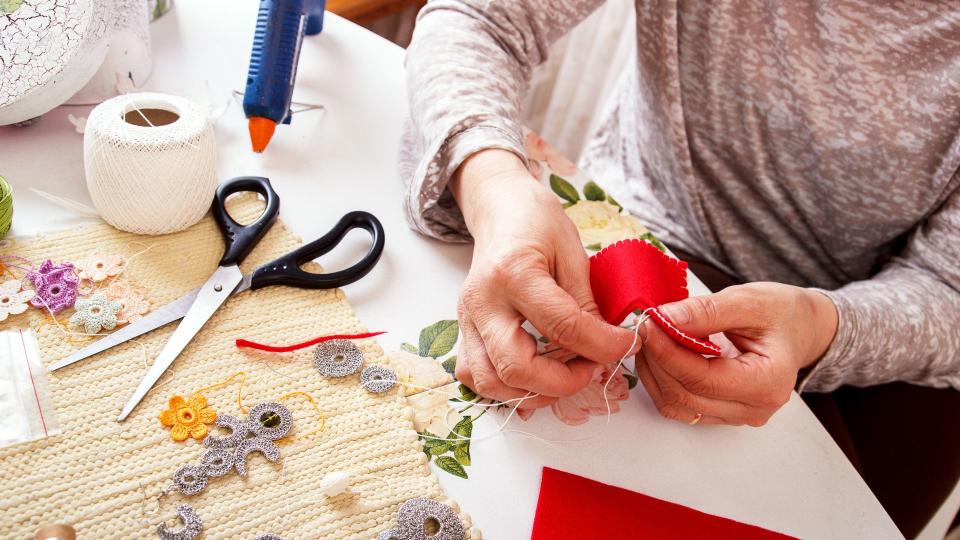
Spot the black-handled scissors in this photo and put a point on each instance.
(196, 307)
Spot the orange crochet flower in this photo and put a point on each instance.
(188, 418)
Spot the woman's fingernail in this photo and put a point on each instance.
(676, 313)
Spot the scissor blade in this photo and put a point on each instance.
(159, 317)
(210, 297)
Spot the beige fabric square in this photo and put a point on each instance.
(103, 477)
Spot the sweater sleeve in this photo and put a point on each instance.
(904, 323)
(468, 68)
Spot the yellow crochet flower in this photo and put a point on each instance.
(188, 417)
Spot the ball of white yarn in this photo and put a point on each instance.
(157, 177)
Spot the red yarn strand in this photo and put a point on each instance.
(243, 343)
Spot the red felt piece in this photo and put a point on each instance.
(633, 274)
(571, 506)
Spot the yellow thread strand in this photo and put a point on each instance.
(39, 326)
(74, 338)
(7, 269)
(8, 272)
(313, 401)
(225, 382)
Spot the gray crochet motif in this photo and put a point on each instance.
(412, 519)
(266, 423)
(192, 525)
(337, 358)
(378, 379)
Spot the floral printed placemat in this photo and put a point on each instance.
(445, 418)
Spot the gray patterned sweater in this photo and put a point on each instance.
(810, 143)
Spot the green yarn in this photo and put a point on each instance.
(6, 206)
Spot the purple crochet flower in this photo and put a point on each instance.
(56, 286)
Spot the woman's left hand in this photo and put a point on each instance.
(777, 330)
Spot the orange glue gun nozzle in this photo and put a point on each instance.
(261, 130)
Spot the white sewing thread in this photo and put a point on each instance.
(501, 427)
(70, 204)
(706, 343)
(301, 106)
(150, 179)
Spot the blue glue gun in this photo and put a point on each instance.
(281, 25)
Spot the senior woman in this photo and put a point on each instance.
(807, 150)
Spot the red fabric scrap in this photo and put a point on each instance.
(571, 506)
(634, 275)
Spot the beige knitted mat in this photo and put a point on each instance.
(104, 477)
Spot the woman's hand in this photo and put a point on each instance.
(528, 264)
(777, 329)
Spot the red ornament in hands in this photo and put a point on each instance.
(634, 275)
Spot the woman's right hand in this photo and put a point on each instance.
(528, 264)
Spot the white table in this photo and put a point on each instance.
(788, 476)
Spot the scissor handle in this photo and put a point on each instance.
(240, 239)
(286, 270)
